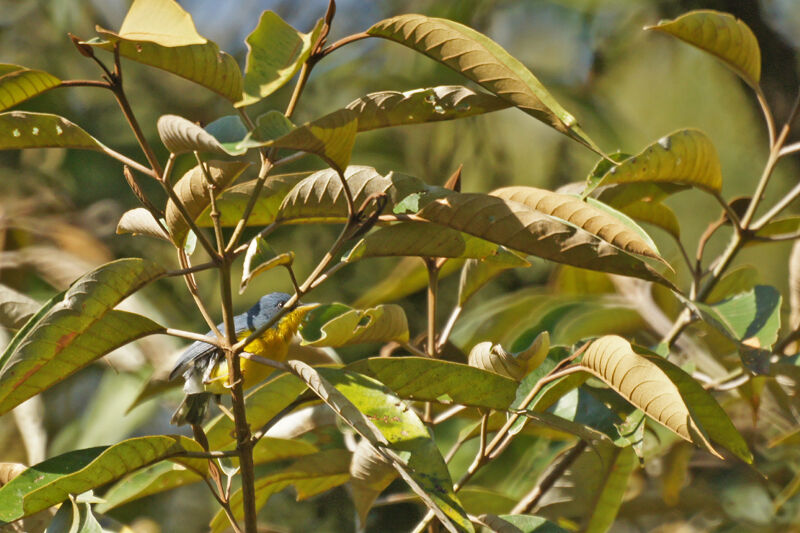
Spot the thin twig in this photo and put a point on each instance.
(768, 118)
(531, 500)
(214, 341)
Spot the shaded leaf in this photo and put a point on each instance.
(160, 21)
(519, 227)
(655, 213)
(370, 474)
(483, 61)
(519, 524)
(422, 240)
(192, 191)
(232, 202)
(140, 221)
(789, 225)
(493, 358)
(478, 500)
(276, 51)
(180, 135)
(338, 325)
(259, 258)
(330, 137)
(737, 280)
(18, 84)
(23, 129)
(665, 393)
(395, 431)
(424, 379)
(407, 277)
(593, 217)
(621, 195)
(269, 126)
(794, 287)
(722, 35)
(477, 272)
(74, 516)
(51, 481)
(753, 318)
(75, 329)
(446, 102)
(684, 157)
(15, 308)
(310, 475)
(229, 131)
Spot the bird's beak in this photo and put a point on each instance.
(303, 309)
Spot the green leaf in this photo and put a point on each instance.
(310, 475)
(420, 240)
(276, 51)
(259, 258)
(423, 379)
(657, 214)
(229, 131)
(232, 202)
(736, 281)
(478, 500)
(477, 272)
(592, 489)
(395, 431)
(74, 517)
(330, 137)
(168, 475)
(522, 228)
(18, 84)
(407, 277)
(752, 318)
(192, 191)
(721, 35)
(180, 135)
(23, 129)
(52, 481)
(338, 325)
(685, 157)
(778, 227)
(665, 393)
(15, 308)
(75, 330)
(483, 61)
(140, 221)
(592, 216)
(160, 21)
(434, 104)
(520, 524)
(370, 474)
(269, 126)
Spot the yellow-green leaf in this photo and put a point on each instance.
(477, 272)
(74, 329)
(337, 325)
(722, 35)
(23, 129)
(665, 393)
(180, 135)
(259, 258)
(18, 84)
(160, 21)
(780, 227)
(370, 474)
(736, 281)
(140, 221)
(193, 192)
(407, 277)
(522, 228)
(590, 217)
(434, 104)
(654, 213)
(483, 61)
(685, 157)
(276, 51)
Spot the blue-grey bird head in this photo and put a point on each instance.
(265, 309)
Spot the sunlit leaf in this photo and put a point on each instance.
(665, 393)
(330, 137)
(15, 308)
(52, 481)
(722, 35)
(160, 21)
(370, 474)
(685, 157)
(140, 221)
(75, 329)
(493, 358)
(192, 190)
(478, 500)
(522, 228)
(434, 104)
(310, 475)
(422, 240)
(232, 202)
(395, 431)
(753, 318)
(259, 258)
(477, 272)
(655, 213)
(520, 524)
(276, 51)
(736, 281)
(337, 325)
(18, 84)
(23, 129)
(597, 220)
(785, 226)
(424, 379)
(269, 126)
(180, 135)
(483, 61)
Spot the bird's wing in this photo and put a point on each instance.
(194, 352)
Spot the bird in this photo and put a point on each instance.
(205, 370)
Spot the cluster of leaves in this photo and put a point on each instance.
(541, 366)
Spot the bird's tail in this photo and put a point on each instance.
(192, 409)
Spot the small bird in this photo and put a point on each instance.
(205, 370)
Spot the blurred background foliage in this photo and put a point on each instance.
(59, 209)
